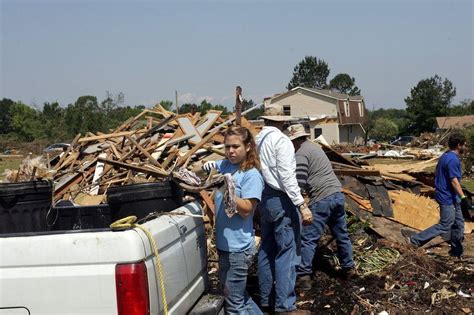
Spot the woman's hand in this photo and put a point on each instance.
(209, 166)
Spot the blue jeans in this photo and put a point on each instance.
(330, 211)
(451, 223)
(277, 257)
(233, 269)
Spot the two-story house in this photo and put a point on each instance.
(340, 118)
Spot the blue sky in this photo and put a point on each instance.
(60, 50)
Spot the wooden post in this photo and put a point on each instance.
(238, 104)
(176, 97)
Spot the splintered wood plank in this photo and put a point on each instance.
(116, 152)
(208, 120)
(188, 128)
(210, 207)
(145, 170)
(208, 200)
(352, 172)
(218, 138)
(69, 160)
(142, 150)
(185, 159)
(160, 125)
(171, 156)
(245, 123)
(364, 203)
(70, 180)
(107, 136)
(382, 226)
(73, 143)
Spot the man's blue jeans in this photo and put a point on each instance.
(233, 269)
(330, 211)
(277, 257)
(451, 224)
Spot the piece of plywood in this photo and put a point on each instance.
(207, 121)
(412, 210)
(188, 128)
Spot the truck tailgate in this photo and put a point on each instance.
(67, 273)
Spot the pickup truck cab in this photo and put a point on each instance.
(104, 271)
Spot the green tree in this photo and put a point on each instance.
(84, 115)
(344, 83)
(223, 108)
(25, 122)
(5, 115)
(253, 114)
(188, 108)
(384, 129)
(167, 105)
(52, 122)
(311, 72)
(399, 116)
(429, 99)
(466, 107)
(204, 107)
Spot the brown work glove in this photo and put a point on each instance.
(306, 214)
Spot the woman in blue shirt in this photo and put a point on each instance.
(235, 234)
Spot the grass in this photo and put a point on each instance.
(468, 183)
(9, 163)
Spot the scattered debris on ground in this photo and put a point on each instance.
(381, 198)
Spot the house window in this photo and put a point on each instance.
(361, 109)
(347, 109)
(317, 132)
(306, 128)
(350, 129)
(287, 110)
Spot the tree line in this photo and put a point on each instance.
(430, 98)
(55, 123)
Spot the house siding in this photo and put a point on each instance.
(351, 134)
(354, 117)
(304, 104)
(330, 131)
(311, 103)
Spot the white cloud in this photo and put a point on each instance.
(193, 98)
(207, 98)
(186, 98)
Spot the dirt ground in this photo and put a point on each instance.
(419, 281)
(411, 281)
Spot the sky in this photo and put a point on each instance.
(60, 50)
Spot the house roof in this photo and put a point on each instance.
(454, 121)
(332, 94)
(328, 93)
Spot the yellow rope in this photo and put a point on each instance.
(129, 222)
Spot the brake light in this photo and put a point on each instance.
(131, 284)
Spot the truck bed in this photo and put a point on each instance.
(74, 272)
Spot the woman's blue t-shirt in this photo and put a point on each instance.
(236, 234)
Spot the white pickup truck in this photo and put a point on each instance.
(104, 271)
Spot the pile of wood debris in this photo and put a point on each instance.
(157, 142)
(391, 197)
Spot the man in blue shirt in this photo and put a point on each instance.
(450, 198)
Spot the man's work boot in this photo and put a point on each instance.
(267, 310)
(303, 283)
(348, 273)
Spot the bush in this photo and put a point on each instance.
(384, 129)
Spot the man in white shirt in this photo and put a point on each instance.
(279, 219)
